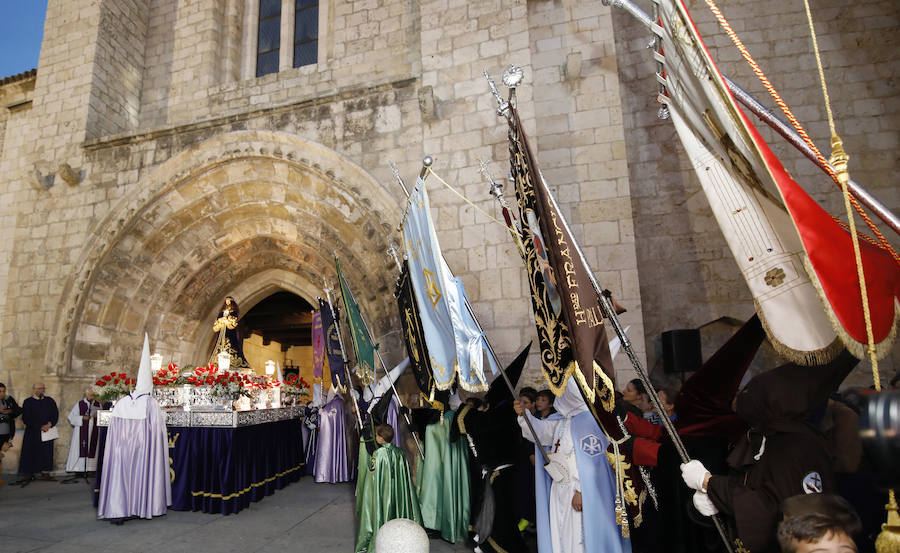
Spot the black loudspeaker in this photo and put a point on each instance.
(681, 350)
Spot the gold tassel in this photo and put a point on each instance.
(889, 539)
(839, 159)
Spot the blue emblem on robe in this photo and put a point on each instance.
(592, 446)
(812, 483)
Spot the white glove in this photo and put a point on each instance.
(693, 474)
(704, 504)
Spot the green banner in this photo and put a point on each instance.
(362, 342)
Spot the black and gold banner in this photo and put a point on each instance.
(414, 337)
(567, 313)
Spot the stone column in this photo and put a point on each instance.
(251, 36)
(286, 57)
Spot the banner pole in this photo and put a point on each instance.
(388, 376)
(610, 313)
(426, 166)
(337, 326)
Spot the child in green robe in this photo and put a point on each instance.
(385, 491)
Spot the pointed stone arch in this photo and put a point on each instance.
(244, 213)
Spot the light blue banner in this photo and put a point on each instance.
(455, 341)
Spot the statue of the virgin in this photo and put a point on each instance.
(229, 338)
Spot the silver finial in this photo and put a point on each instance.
(512, 76)
(496, 188)
(663, 112)
(502, 105)
(397, 176)
(483, 169)
(427, 161)
(393, 253)
(395, 170)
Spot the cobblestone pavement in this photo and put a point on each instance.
(305, 516)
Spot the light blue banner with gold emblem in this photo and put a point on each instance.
(455, 341)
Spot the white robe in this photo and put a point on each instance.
(76, 463)
(566, 530)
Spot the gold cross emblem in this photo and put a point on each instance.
(775, 277)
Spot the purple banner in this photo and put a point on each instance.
(318, 343)
(332, 344)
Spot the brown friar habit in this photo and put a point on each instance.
(782, 453)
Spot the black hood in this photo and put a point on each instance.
(499, 392)
(790, 393)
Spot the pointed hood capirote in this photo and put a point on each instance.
(776, 400)
(498, 390)
(145, 377)
(134, 405)
(571, 402)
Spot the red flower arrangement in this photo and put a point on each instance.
(112, 386)
(294, 385)
(170, 376)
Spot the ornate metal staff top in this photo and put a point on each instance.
(502, 105)
(397, 176)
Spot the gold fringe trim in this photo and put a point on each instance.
(583, 385)
(859, 349)
(248, 488)
(571, 369)
(806, 358)
(457, 372)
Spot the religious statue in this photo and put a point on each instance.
(229, 339)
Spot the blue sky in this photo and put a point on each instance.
(21, 30)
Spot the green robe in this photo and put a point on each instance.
(384, 491)
(443, 482)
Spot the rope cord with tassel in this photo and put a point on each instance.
(839, 160)
(883, 243)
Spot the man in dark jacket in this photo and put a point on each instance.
(9, 410)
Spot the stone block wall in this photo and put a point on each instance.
(225, 183)
(115, 102)
(96, 261)
(570, 132)
(580, 139)
(687, 274)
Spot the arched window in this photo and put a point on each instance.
(269, 37)
(306, 32)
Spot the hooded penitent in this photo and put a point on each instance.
(134, 405)
(576, 447)
(332, 463)
(782, 453)
(493, 435)
(134, 482)
(783, 400)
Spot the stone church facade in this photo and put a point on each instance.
(146, 171)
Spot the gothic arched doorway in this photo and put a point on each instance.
(278, 328)
(245, 214)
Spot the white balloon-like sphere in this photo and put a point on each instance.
(401, 535)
